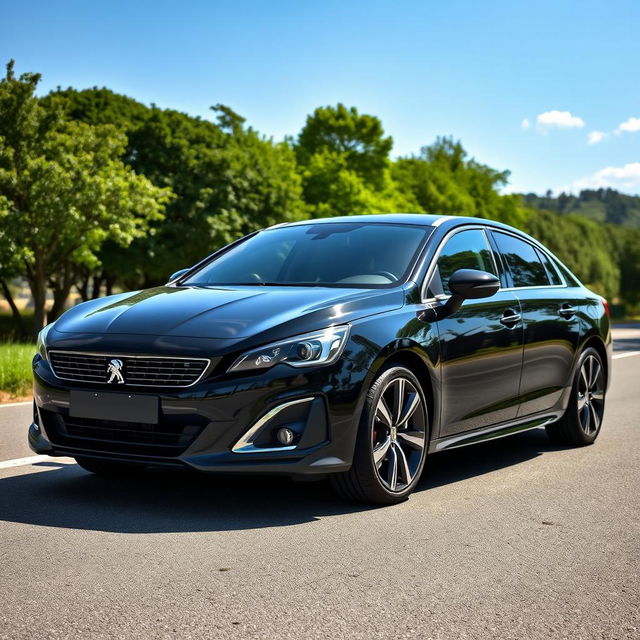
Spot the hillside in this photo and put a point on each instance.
(602, 205)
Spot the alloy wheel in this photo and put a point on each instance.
(590, 395)
(399, 434)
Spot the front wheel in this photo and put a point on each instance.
(581, 422)
(391, 445)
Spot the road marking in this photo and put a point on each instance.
(15, 404)
(626, 355)
(21, 462)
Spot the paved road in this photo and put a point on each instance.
(510, 539)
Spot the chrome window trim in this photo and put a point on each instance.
(128, 355)
(540, 286)
(245, 443)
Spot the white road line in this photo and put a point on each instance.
(626, 355)
(15, 404)
(21, 462)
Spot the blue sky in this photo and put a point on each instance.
(474, 70)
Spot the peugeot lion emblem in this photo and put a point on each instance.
(114, 371)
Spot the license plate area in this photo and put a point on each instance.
(118, 407)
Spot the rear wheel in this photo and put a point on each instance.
(392, 441)
(107, 467)
(581, 423)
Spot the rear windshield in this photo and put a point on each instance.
(328, 254)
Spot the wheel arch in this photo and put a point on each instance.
(411, 357)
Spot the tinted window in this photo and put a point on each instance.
(328, 254)
(523, 261)
(554, 278)
(571, 280)
(465, 250)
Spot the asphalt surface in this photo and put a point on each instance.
(508, 539)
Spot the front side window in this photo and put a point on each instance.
(523, 261)
(467, 249)
(345, 254)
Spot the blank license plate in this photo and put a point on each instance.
(122, 407)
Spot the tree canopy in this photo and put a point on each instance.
(98, 190)
(64, 190)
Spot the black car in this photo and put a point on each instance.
(343, 347)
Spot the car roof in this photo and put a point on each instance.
(422, 219)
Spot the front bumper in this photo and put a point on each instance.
(200, 425)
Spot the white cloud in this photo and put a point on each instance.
(525, 124)
(596, 136)
(626, 178)
(630, 126)
(562, 119)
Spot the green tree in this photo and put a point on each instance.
(630, 267)
(359, 138)
(344, 162)
(332, 188)
(444, 180)
(585, 246)
(64, 191)
(228, 180)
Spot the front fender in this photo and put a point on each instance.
(414, 345)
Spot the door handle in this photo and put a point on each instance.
(567, 311)
(510, 318)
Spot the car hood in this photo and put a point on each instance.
(225, 312)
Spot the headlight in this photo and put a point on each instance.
(42, 341)
(308, 350)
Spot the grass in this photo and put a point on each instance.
(15, 369)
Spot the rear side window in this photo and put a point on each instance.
(572, 281)
(552, 272)
(523, 261)
(465, 250)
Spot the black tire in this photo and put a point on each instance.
(399, 447)
(582, 421)
(107, 467)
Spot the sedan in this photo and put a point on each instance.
(342, 348)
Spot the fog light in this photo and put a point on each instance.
(285, 436)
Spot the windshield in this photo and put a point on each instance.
(329, 254)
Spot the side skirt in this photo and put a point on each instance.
(490, 433)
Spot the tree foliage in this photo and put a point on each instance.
(228, 181)
(358, 138)
(600, 205)
(344, 161)
(444, 180)
(586, 247)
(64, 190)
(100, 191)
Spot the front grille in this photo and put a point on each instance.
(137, 371)
(167, 438)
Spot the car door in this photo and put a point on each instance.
(550, 313)
(480, 344)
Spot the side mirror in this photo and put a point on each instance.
(472, 284)
(177, 274)
(467, 284)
